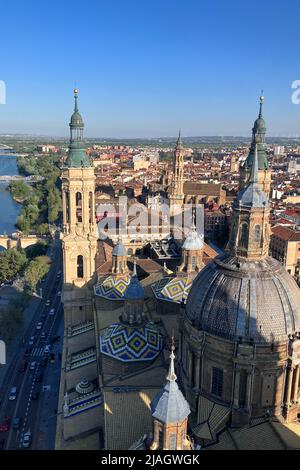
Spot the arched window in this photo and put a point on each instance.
(194, 262)
(91, 210)
(244, 235)
(80, 266)
(257, 233)
(67, 201)
(78, 207)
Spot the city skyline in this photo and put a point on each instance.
(145, 70)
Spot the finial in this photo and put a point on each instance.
(76, 97)
(179, 142)
(171, 374)
(261, 100)
(134, 269)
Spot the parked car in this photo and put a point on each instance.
(4, 426)
(23, 365)
(47, 303)
(59, 293)
(39, 376)
(52, 311)
(31, 340)
(32, 366)
(35, 394)
(43, 335)
(47, 350)
(13, 394)
(26, 439)
(17, 422)
(39, 325)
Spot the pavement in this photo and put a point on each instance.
(37, 415)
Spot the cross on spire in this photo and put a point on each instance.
(171, 377)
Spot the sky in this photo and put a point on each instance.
(145, 68)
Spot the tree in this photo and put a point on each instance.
(35, 271)
(19, 190)
(42, 229)
(11, 263)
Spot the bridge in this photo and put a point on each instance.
(29, 179)
(19, 242)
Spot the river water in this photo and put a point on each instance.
(9, 209)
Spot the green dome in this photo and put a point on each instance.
(77, 157)
(76, 120)
(259, 125)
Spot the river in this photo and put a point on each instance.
(9, 209)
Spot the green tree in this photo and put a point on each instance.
(42, 229)
(11, 263)
(19, 190)
(35, 271)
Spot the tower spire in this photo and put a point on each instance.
(171, 377)
(254, 170)
(75, 100)
(261, 101)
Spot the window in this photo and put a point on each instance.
(80, 266)
(193, 263)
(67, 199)
(217, 381)
(244, 235)
(257, 233)
(78, 207)
(160, 439)
(91, 210)
(172, 441)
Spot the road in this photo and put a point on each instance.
(37, 415)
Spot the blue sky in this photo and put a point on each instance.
(145, 68)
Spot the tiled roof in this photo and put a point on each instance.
(286, 233)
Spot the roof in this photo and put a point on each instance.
(228, 298)
(208, 189)
(128, 343)
(113, 287)
(287, 234)
(193, 241)
(172, 289)
(119, 249)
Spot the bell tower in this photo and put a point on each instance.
(250, 231)
(177, 195)
(79, 236)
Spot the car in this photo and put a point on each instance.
(39, 325)
(13, 394)
(4, 426)
(31, 340)
(39, 377)
(23, 365)
(47, 303)
(26, 439)
(16, 422)
(52, 311)
(59, 293)
(47, 350)
(27, 352)
(54, 338)
(33, 365)
(43, 335)
(35, 394)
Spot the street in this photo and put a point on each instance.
(37, 389)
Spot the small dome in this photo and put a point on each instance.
(236, 298)
(259, 125)
(252, 196)
(134, 291)
(84, 387)
(76, 120)
(119, 249)
(193, 241)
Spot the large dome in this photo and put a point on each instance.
(234, 297)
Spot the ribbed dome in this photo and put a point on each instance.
(76, 120)
(119, 249)
(232, 298)
(193, 241)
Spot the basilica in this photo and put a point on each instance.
(205, 355)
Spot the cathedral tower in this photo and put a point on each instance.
(79, 236)
(177, 195)
(170, 412)
(258, 140)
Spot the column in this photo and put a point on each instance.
(64, 203)
(236, 388)
(289, 384)
(197, 372)
(296, 384)
(248, 390)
